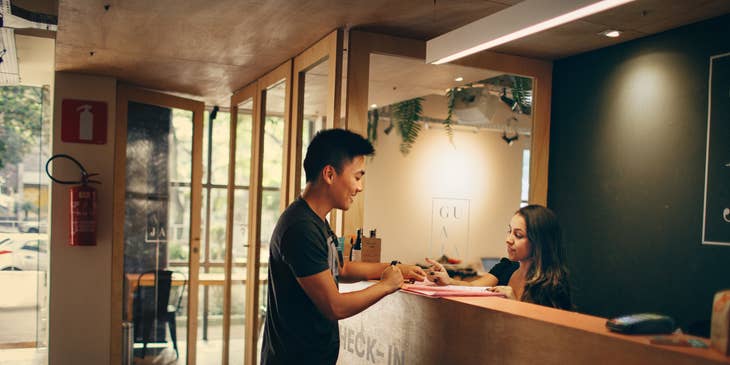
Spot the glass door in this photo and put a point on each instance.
(317, 91)
(161, 198)
(213, 247)
(271, 133)
(25, 123)
(237, 243)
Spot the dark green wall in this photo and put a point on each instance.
(627, 168)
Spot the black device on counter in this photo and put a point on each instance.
(642, 323)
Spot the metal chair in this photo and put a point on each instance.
(152, 305)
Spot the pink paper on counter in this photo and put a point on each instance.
(449, 291)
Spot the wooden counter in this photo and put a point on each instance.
(409, 329)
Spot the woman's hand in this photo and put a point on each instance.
(412, 272)
(437, 273)
(507, 290)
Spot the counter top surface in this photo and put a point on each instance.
(573, 320)
(580, 321)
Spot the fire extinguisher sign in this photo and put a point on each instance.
(83, 121)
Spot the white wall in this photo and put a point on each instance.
(399, 190)
(80, 298)
(35, 60)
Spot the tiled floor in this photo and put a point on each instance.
(24, 356)
(209, 353)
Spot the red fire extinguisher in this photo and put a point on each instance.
(82, 206)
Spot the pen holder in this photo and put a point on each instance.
(720, 330)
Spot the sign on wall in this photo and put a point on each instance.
(156, 227)
(716, 220)
(449, 228)
(83, 121)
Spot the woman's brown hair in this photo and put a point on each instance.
(547, 278)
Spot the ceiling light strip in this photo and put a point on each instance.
(523, 19)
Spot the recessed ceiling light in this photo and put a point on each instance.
(459, 79)
(611, 33)
(374, 106)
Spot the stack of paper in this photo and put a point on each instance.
(450, 291)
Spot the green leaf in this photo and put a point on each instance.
(373, 117)
(407, 114)
(20, 121)
(448, 122)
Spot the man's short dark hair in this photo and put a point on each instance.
(334, 147)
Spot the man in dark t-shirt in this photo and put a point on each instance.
(304, 302)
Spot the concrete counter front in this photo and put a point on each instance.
(409, 329)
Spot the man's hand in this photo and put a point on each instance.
(412, 272)
(437, 273)
(392, 278)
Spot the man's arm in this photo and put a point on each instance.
(323, 292)
(358, 271)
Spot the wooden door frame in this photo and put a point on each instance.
(248, 92)
(125, 94)
(328, 48)
(284, 71)
(362, 44)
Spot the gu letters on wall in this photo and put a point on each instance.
(449, 228)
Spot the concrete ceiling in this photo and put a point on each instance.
(208, 49)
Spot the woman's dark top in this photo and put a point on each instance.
(504, 269)
(550, 296)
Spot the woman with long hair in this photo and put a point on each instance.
(534, 270)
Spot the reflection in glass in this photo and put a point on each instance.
(243, 143)
(214, 208)
(25, 118)
(157, 226)
(273, 151)
(216, 230)
(314, 116)
(480, 159)
(217, 132)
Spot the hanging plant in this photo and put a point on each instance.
(407, 114)
(522, 94)
(448, 122)
(373, 117)
(462, 94)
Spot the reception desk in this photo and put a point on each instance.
(408, 329)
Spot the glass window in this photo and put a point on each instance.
(25, 120)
